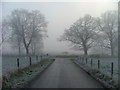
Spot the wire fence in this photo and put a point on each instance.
(107, 66)
(11, 64)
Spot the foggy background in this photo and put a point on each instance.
(60, 15)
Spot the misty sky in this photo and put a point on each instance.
(60, 16)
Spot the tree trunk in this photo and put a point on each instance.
(26, 46)
(32, 48)
(85, 50)
(27, 50)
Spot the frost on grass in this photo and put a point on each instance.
(100, 76)
(19, 80)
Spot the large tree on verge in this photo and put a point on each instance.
(82, 33)
(27, 26)
(107, 25)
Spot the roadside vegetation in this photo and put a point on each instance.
(25, 75)
(102, 71)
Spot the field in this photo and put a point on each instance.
(9, 63)
(104, 65)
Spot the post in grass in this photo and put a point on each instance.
(36, 58)
(98, 64)
(112, 70)
(18, 64)
(30, 61)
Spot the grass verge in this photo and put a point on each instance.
(105, 81)
(19, 79)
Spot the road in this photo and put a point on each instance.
(63, 73)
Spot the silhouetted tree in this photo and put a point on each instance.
(27, 26)
(82, 33)
(107, 24)
(5, 30)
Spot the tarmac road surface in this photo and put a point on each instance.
(63, 73)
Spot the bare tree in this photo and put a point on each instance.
(82, 33)
(27, 26)
(5, 31)
(36, 45)
(16, 42)
(107, 25)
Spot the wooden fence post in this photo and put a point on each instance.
(98, 64)
(18, 64)
(37, 58)
(30, 61)
(112, 69)
(86, 60)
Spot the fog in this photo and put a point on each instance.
(60, 15)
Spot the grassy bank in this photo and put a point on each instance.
(105, 80)
(19, 79)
